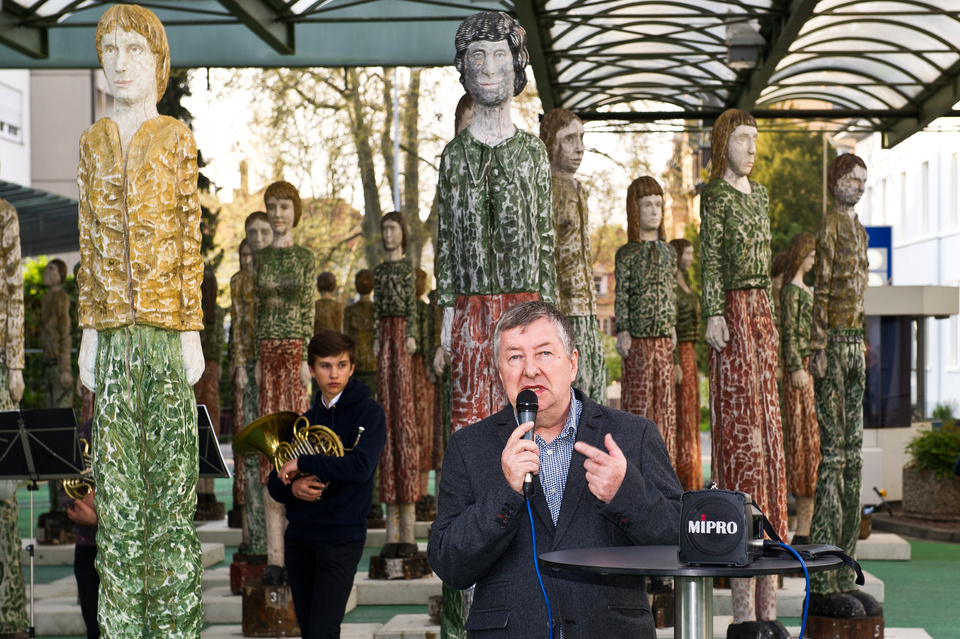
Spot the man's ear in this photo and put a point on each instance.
(575, 362)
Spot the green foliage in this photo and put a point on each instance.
(611, 358)
(790, 165)
(943, 412)
(936, 450)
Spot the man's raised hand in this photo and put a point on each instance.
(605, 470)
(519, 457)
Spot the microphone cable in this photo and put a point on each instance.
(806, 576)
(536, 567)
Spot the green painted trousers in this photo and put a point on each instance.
(253, 516)
(145, 465)
(592, 365)
(13, 594)
(836, 510)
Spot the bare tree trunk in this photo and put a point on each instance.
(411, 169)
(372, 211)
(386, 139)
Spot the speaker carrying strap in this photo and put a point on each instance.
(807, 552)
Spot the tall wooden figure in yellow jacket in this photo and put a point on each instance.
(139, 307)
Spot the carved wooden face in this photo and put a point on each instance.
(130, 67)
(651, 212)
(849, 188)
(686, 259)
(567, 153)
(259, 235)
(808, 261)
(51, 275)
(488, 70)
(742, 150)
(391, 234)
(281, 213)
(246, 257)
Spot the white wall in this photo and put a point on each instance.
(922, 205)
(15, 155)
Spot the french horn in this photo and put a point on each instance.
(269, 436)
(80, 487)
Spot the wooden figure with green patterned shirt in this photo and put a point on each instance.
(801, 437)
(495, 244)
(395, 300)
(646, 311)
(207, 390)
(838, 368)
(687, 378)
(737, 304)
(562, 133)
(283, 322)
(246, 393)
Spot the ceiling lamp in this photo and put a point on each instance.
(744, 45)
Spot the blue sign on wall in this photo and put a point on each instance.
(880, 255)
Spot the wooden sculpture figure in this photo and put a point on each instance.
(207, 390)
(139, 308)
(646, 310)
(495, 239)
(423, 392)
(837, 364)
(328, 315)
(13, 612)
(801, 438)
(395, 300)
(283, 323)
(737, 303)
(562, 133)
(359, 322)
(246, 392)
(58, 378)
(87, 396)
(689, 464)
(57, 342)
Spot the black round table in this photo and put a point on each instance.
(693, 585)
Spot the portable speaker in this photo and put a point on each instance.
(719, 527)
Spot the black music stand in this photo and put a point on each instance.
(37, 445)
(212, 464)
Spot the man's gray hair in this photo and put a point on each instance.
(524, 314)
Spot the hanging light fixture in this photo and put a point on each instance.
(744, 46)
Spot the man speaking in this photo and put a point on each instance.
(601, 477)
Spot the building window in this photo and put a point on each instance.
(11, 114)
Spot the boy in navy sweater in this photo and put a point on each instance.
(324, 539)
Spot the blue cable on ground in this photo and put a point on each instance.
(806, 599)
(536, 566)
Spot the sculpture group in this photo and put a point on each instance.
(513, 228)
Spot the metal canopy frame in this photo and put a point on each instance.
(886, 65)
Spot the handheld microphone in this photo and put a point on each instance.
(527, 406)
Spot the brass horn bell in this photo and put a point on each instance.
(284, 436)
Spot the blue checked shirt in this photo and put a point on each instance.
(555, 458)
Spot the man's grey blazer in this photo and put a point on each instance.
(481, 534)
